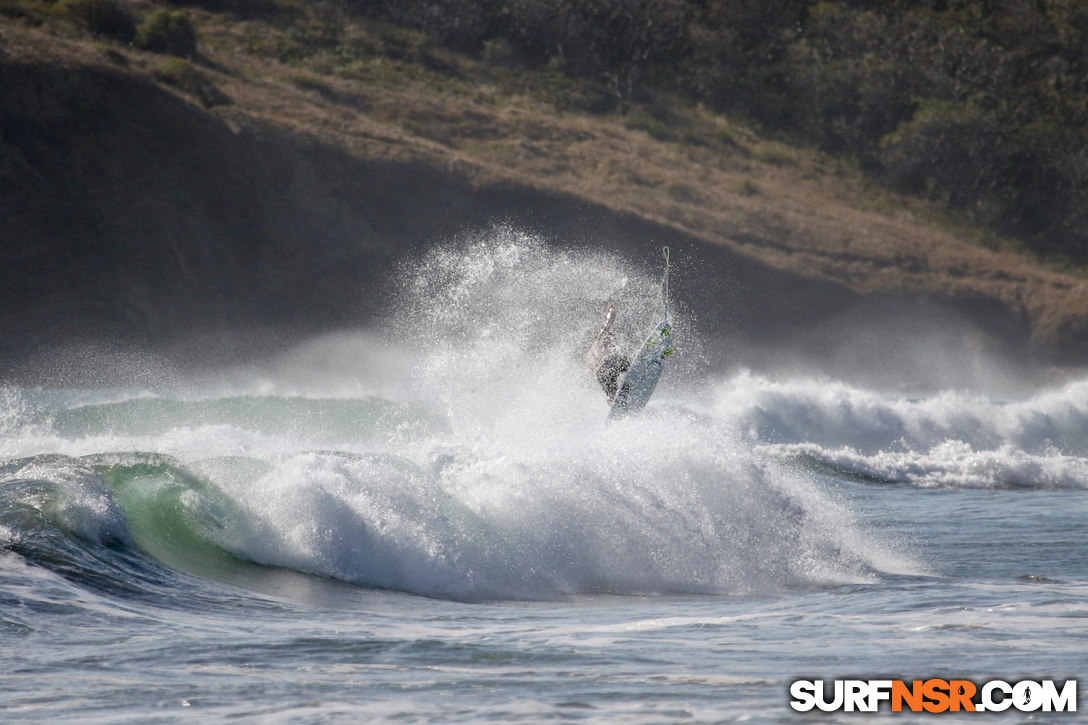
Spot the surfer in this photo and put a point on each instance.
(630, 381)
(605, 359)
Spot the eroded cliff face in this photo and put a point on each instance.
(130, 212)
(133, 216)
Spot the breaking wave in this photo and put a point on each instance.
(951, 439)
(461, 450)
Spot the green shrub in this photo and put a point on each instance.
(102, 17)
(166, 31)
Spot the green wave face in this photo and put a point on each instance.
(112, 522)
(172, 515)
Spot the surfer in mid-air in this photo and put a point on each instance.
(629, 381)
(605, 359)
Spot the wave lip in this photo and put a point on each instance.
(945, 440)
(468, 524)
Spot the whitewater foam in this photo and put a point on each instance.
(951, 438)
(462, 450)
(526, 491)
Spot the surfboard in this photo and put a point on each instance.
(638, 384)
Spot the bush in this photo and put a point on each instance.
(166, 31)
(102, 17)
(980, 105)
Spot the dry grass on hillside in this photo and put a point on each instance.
(702, 174)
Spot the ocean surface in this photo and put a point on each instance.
(431, 520)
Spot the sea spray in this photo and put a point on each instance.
(491, 471)
(527, 491)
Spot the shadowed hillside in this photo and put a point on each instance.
(260, 190)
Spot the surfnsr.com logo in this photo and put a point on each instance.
(934, 695)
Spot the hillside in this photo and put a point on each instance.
(268, 182)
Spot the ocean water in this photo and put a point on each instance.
(431, 520)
